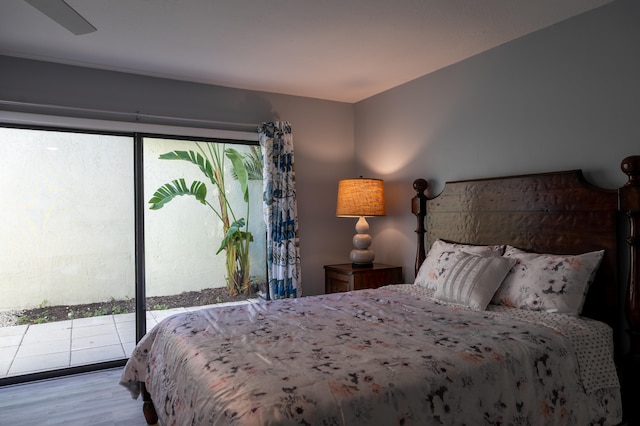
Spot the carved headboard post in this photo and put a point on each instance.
(419, 208)
(629, 204)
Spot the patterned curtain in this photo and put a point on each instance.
(280, 210)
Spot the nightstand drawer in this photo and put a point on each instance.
(336, 282)
(345, 277)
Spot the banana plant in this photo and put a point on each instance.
(237, 237)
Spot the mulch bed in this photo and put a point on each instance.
(208, 296)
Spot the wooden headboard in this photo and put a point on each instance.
(558, 213)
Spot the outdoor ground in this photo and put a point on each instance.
(185, 299)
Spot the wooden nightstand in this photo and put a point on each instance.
(344, 277)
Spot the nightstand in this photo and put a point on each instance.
(344, 277)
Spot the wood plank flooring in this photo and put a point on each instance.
(94, 399)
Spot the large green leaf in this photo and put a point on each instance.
(234, 234)
(169, 191)
(253, 164)
(240, 170)
(195, 158)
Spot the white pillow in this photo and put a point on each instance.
(442, 256)
(473, 280)
(548, 282)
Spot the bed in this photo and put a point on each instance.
(469, 342)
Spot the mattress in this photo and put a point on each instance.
(387, 356)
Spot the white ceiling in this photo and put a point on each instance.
(344, 50)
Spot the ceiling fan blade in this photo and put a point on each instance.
(64, 15)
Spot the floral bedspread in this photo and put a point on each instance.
(371, 357)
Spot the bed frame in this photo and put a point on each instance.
(557, 213)
(549, 213)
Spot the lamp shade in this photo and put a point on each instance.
(360, 197)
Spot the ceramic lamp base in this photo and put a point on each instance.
(362, 257)
(361, 253)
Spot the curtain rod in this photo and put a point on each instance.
(127, 116)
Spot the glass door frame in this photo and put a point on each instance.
(139, 244)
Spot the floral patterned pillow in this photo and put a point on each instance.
(548, 282)
(442, 256)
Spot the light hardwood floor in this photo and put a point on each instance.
(92, 399)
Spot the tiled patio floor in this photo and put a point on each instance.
(40, 347)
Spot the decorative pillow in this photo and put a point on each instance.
(442, 256)
(548, 282)
(473, 280)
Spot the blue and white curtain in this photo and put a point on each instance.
(280, 210)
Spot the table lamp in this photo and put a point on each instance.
(361, 197)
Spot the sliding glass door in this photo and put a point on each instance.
(66, 249)
(90, 221)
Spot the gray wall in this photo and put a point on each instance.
(566, 97)
(323, 134)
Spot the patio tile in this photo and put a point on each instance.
(49, 340)
(43, 348)
(96, 354)
(7, 354)
(91, 321)
(160, 315)
(39, 333)
(126, 326)
(151, 324)
(98, 340)
(127, 334)
(13, 330)
(128, 348)
(124, 318)
(96, 330)
(239, 302)
(51, 326)
(197, 308)
(49, 361)
(218, 305)
(10, 340)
